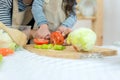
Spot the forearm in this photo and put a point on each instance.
(70, 21)
(37, 10)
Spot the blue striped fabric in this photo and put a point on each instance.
(21, 5)
(5, 11)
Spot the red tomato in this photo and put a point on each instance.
(40, 41)
(6, 51)
(56, 38)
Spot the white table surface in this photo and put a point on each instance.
(24, 65)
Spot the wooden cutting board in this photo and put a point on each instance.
(69, 52)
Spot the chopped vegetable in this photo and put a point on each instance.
(1, 57)
(6, 51)
(58, 47)
(37, 46)
(44, 46)
(40, 41)
(56, 38)
(49, 46)
(82, 39)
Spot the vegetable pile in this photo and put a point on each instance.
(82, 39)
(50, 46)
(6, 51)
(7, 45)
(56, 42)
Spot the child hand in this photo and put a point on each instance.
(64, 30)
(43, 32)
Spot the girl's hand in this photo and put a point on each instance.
(43, 32)
(64, 30)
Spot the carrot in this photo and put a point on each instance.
(6, 51)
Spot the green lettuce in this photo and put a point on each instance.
(6, 41)
(82, 39)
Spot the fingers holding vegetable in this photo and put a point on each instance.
(42, 33)
(56, 42)
(64, 30)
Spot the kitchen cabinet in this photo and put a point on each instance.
(94, 12)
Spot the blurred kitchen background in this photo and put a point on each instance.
(111, 21)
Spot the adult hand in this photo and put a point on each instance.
(43, 32)
(64, 30)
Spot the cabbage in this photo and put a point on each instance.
(4, 36)
(6, 41)
(82, 39)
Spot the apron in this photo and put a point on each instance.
(54, 13)
(20, 18)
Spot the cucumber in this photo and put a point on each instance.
(58, 47)
(44, 46)
(1, 57)
(49, 46)
(37, 46)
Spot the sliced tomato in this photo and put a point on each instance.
(40, 41)
(6, 51)
(56, 38)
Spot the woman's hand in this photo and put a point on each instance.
(64, 30)
(43, 32)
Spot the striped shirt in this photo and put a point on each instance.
(6, 11)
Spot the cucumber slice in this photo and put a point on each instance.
(37, 46)
(58, 47)
(44, 46)
(49, 46)
(1, 57)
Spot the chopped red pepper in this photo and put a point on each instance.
(40, 41)
(56, 38)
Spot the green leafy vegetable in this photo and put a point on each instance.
(6, 41)
(82, 39)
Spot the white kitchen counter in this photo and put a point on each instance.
(24, 65)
